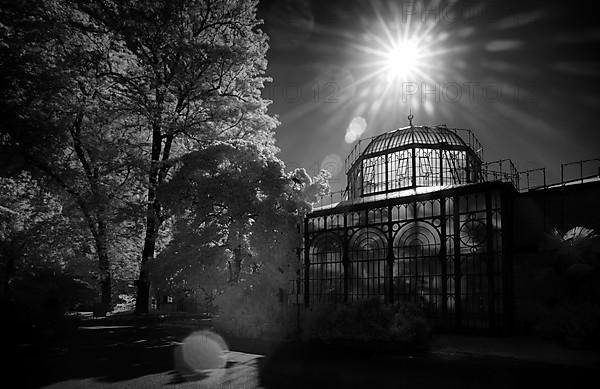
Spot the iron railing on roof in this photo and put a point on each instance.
(579, 170)
(502, 170)
(532, 179)
(570, 173)
(470, 139)
(356, 152)
(331, 199)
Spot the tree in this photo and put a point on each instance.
(252, 303)
(25, 211)
(96, 92)
(224, 184)
(41, 270)
(236, 226)
(59, 116)
(194, 74)
(190, 72)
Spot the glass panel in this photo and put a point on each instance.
(454, 167)
(428, 167)
(374, 175)
(400, 169)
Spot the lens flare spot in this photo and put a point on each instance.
(357, 127)
(202, 350)
(334, 165)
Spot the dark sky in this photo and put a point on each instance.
(523, 75)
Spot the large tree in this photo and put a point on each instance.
(191, 72)
(60, 118)
(33, 248)
(236, 223)
(100, 91)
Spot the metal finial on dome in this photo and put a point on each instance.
(410, 118)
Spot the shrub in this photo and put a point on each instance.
(126, 303)
(367, 321)
(257, 312)
(577, 324)
(37, 305)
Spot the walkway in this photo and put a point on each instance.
(524, 348)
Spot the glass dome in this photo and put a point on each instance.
(415, 156)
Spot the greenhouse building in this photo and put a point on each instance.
(425, 219)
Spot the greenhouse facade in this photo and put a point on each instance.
(424, 220)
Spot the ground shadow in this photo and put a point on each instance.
(294, 366)
(107, 353)
(178, 377)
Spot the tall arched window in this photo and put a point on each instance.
(417, 266)
(326, 272)
(368, 253)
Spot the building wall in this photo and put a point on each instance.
(536, 214)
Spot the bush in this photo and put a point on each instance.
(367, 321)
(252, 313)
(577, 324)
(37, 305)
(126, 303)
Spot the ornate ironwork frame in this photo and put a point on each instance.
(446, 251)
(413, 157)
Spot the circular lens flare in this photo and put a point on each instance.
(202, 350)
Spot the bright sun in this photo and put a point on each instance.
(402, 59)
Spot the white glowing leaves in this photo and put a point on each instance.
(355, 129)
(402, 59)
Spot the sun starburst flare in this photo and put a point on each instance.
(402, 59)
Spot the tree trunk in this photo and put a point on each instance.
(235, 268)
(104, 262)
(153, 211)
(142, 301)
(9, 269)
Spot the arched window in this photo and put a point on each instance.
(368, 253)
(417, 266)
(326, 273)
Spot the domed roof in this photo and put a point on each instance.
(419, 135)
